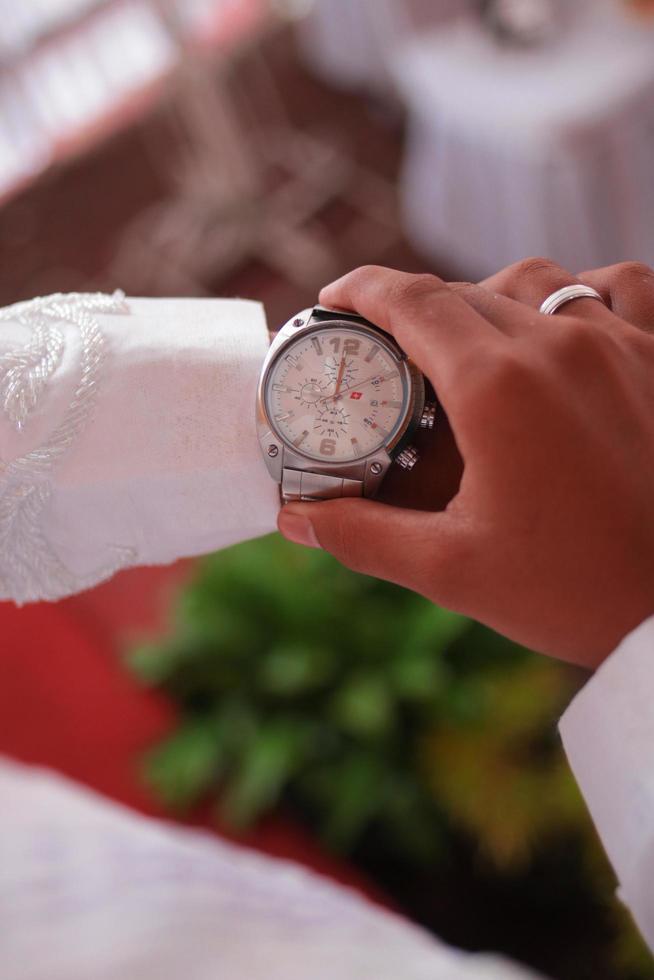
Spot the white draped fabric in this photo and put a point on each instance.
(546, 151)
(351, 43)
(91, 891)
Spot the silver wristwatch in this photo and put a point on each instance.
(337, 404)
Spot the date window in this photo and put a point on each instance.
(356, 395)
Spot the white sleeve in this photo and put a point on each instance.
(126, 436)
(608, 734)
(90, 889)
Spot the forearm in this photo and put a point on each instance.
(140, 445)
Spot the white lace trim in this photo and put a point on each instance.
(29, 568)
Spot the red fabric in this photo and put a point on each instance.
(67, 701)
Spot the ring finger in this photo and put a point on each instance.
(532, 281)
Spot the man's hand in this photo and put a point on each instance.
(550, 537)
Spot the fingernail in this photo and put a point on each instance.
(298, 528)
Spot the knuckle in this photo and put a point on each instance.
(367, 270)
(531, 267)
(633, 274)
(364, 274)
(414, 291)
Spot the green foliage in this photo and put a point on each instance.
(296, 677)
(366, 707)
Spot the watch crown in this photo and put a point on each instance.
(428, 417)
(408, 458)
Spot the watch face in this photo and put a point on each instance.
(337, 393)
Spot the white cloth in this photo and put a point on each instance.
(91, 891)
(138, 431)
(350, 43)
(608, 734)
(159, 457)
(514, 152)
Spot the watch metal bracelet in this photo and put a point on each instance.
(305, 484)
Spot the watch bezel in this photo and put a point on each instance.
(278, 452)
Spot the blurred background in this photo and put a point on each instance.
(259, 149)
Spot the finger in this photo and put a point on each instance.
(533, 280)
(507, 315)
(423, 552)
(432, 324)
(627, 289)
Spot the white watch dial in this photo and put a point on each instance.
(337, 394)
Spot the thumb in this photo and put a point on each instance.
(416, 549)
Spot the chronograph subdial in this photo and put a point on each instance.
(312, 391)
(331, 421)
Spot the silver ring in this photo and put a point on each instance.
(565, 295)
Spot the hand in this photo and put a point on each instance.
(550, 538)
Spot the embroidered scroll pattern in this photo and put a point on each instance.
(24, 372)
(29, 568)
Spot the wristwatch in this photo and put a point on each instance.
(337, 403)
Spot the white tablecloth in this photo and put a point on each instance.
(531, 152)
(351, 43)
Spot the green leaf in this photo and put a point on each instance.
(155, 664)
(184, 767)
(274, 753)
(364, 707)
(292, 669)
(417, 677)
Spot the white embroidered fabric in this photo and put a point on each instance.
(29, 568)
(126, 436)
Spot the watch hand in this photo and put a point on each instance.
(340, 376)
(356, 385)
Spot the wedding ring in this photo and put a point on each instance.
(558, 299)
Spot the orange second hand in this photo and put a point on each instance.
(351, 387)
(340, 376)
